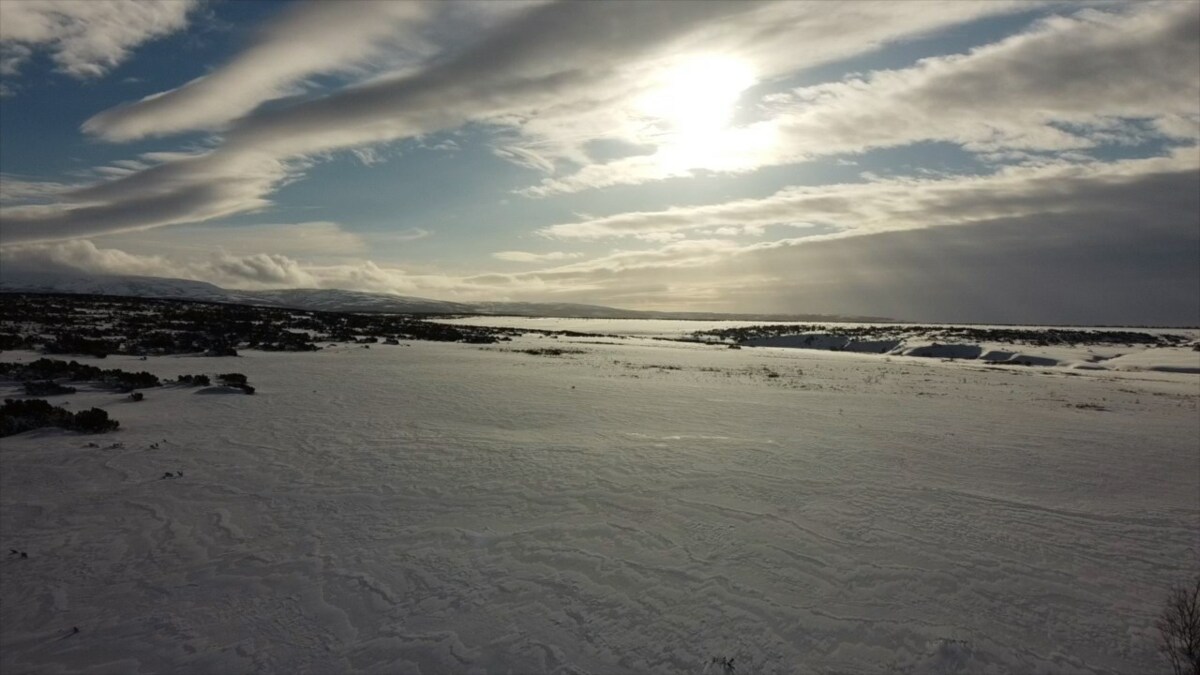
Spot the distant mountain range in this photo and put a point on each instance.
(336, 300)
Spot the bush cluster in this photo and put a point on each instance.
(53, 369)
(17, 416)
(13, 341)
(1179, 628)
(100, 325)
(194, 380)
(235, 380)
(68, 343)
(47, 388)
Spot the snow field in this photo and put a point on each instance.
(639, 507)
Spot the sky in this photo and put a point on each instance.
(1008, 162)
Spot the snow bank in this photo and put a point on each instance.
(1163, 360)
(1084, 357)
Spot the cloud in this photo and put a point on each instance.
(83, 255)
(556, 76)
(85, 38)
(524, 157)
(916, 203)
(513, 68)
(308, 239)
(1119, 248)
(181, 190)
(254, 271)
(309, 39)
(762, 37)
(15, 190)
(407, 234)
(1067, 83)
(1133, 267)
(260, 270)
(546, 57)
(526, 257)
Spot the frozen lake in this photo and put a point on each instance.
(633, 506)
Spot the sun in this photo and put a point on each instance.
(688, 110)
(698, 95)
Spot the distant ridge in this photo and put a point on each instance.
(337, 300)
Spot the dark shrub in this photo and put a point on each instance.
(233, 379)
(129, 381)
(47, 388)
(1179, 629)
(12, 341)
(194, 380)
(93, 421)
(67, 343)
(50, 369)
(17, 416)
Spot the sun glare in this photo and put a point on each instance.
(698, 96)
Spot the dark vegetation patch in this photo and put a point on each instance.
(43, 372)
(237, 381)
(646, 366)
(17, 416)
(99, 325)
(1041, 337)
(194, 380)
(569, 333)
(551, 352)
(47, 388)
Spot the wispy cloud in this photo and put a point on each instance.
(17, 190)
(84, 38)
(527, 257)
(314, 239)
(310, 39)
(192, 188)
(915, 203)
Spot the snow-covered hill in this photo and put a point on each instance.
(337, 300)
(135, 286)
(327, 299)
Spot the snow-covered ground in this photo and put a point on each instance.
(677, 328)
(899, 339)
(638, 507)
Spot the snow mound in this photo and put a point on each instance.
(209, 391)
(1163, 360)
(943, 351)
(1003, 356)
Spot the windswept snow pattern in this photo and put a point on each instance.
(624, 506)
